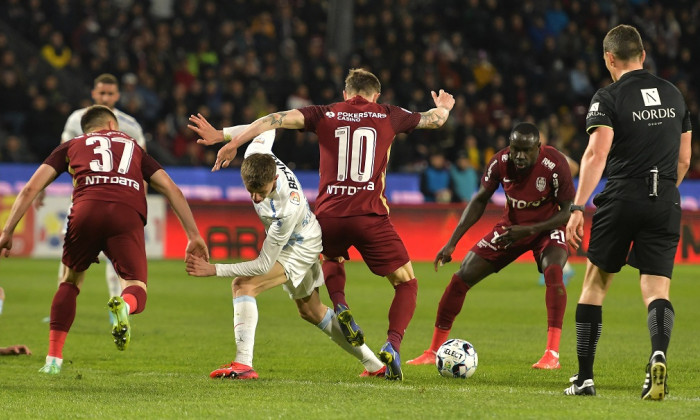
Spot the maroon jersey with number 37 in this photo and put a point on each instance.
(106, 166)
(355, 138)
(533, 194)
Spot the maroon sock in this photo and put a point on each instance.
(334, 275)
(137, 293)
(63, 307)
(451, 303)
(555, 296)
(401, 311)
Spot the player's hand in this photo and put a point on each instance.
(198, 267)
(15, 350)
(443, 99)
(443, 256)
(5, 244)
(574, 229)
(512, 234)
(209, 135)
(225, 156)
(197, 247)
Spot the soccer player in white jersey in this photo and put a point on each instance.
(289, 257)
(105, 92)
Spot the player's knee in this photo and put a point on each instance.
(553, 275)
(239, 286)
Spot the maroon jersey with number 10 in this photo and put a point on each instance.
(355, 138)
(532, 195)
(106, 166)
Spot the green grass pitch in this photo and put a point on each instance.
(186, 332)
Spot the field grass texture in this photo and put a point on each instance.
(186, 332)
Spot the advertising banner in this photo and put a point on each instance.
(233, 231)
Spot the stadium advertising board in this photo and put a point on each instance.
(233, 231)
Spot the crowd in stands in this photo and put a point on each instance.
(504, 60)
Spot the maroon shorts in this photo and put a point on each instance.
(114, 228)
(372, 235)
(500, 257)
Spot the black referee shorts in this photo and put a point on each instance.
(651, 228)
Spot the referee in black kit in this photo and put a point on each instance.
(640, 131)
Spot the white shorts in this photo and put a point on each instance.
(302, 266)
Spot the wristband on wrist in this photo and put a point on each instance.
(575, 207)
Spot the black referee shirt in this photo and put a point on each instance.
(648, 115)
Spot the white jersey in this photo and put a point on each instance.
(293, 233)
(127, 124)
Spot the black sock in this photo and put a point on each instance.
(660, 322)
(589, 324)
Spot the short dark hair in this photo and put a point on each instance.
(526, 128)
(107, 79)
(363, 82)
(624, 42)
(258, 170)
(96, 117)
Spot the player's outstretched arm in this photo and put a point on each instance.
(162, 183)
(43, 176)
(592, 166)
(436, 117)
(207, 133)
(470, 215)
(15, 350)
(292, 119)
(198, 267)
(684, 156)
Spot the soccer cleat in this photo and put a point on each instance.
(392, 360)
(121, 330)
(353, 333)
(234, 370)
(52, 366)
(427, 358)
(587, 388)
(550, 360)
(378, 373)
(655, 386)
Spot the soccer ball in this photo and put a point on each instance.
(456, 359)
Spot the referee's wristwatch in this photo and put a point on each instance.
(575, 207)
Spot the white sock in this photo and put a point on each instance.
(56, 360)
(1, 303)
(330, 326)
(245, 320)
(113, 284)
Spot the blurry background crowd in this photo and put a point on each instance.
(505, 61)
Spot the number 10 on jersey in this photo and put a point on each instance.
(356, 150)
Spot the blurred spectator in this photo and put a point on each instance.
(435, 182)
(56, 52)
(14, 149)
(464, 178)
(15, 102)
(524, 60)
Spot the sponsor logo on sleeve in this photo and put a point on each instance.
(593, 111)
(330, 114)
(294, 198)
